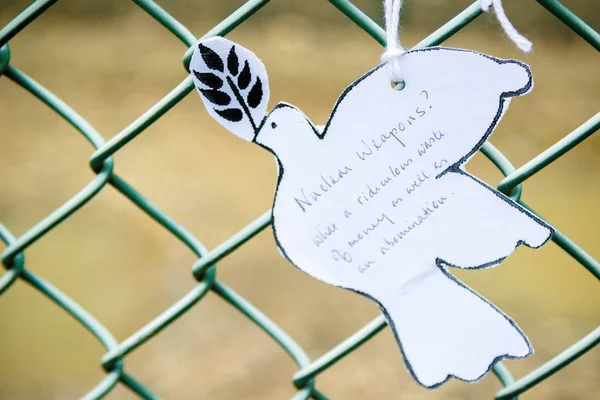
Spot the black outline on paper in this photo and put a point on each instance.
(455, 168)
(228, 67)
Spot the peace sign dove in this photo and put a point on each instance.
(378, 200)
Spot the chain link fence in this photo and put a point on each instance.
(204, 269)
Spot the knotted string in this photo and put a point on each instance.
(393, 49)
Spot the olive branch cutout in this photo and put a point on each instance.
(230, 93)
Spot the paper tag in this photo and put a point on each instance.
(378, 201)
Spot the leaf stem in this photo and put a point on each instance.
(240, 99)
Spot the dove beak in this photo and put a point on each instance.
(268, 123)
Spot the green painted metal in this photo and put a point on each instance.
(340, 351)
(16, 264)
(504, 375)
(551, 154)
(232, 243)
(451, 27)
(204, 269)
(361, 19)
(23, 19)
(79, 199)
(552, 366)
(4, 58)
(573, 22)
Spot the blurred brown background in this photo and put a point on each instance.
(111, 62)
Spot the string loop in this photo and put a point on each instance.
(521, 41)
(393, 50)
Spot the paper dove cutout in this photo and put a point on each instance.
(378, 201)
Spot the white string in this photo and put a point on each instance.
(393, 50)
(521, 41)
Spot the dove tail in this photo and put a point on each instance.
(446, 330)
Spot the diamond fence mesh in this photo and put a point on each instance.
(204, 269)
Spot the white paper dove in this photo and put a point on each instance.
(378, 201)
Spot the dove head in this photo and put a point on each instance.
(286, 132)
(470, 74)
(512, 77)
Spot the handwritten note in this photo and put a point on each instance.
(378, 200)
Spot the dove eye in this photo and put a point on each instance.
(273, 125)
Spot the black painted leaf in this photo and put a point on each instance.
(232, 62)
(256, 94)
(244, 78)
(231, 114)
(216, 97)
(212, 59)
(210, 80)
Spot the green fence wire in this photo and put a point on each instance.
(204, 270)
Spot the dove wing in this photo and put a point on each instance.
(360, 103)
(363, 190)
(460, 92)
